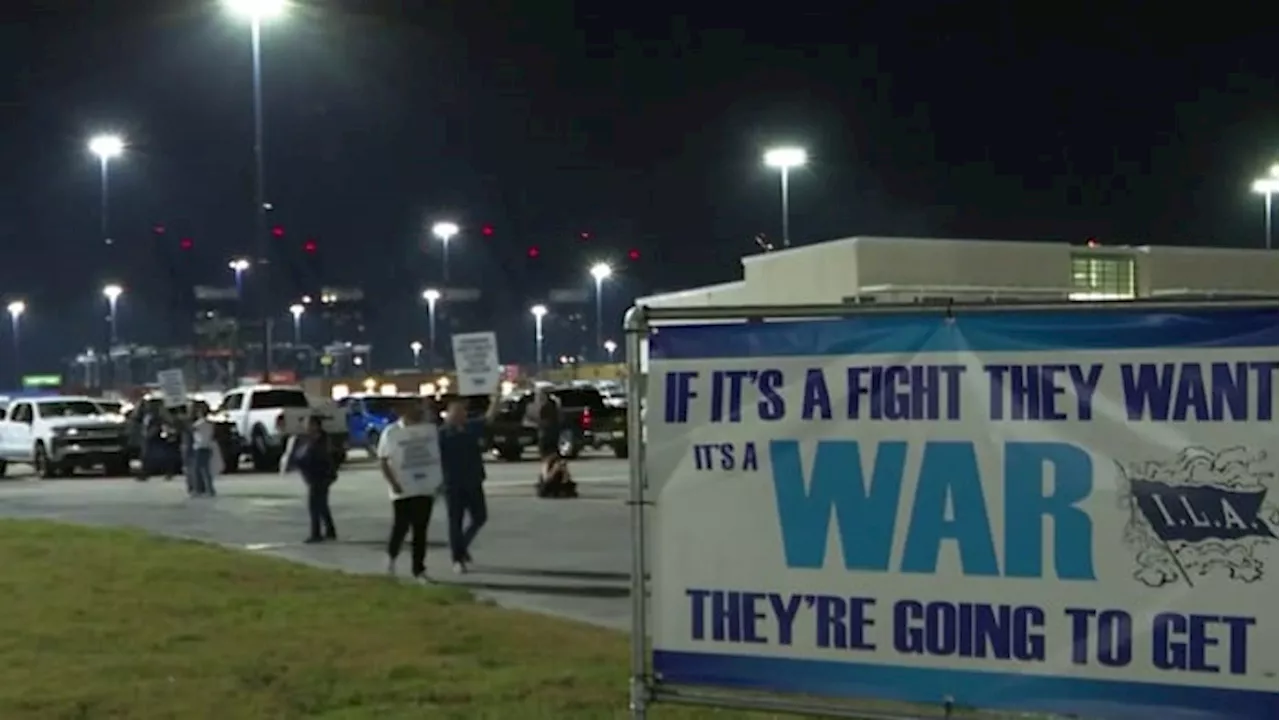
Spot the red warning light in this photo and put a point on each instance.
(157, 229)
(1092, 242)
(186, 243)
(277, 231)
(633, 255)
(309, 246)
(534, 252)
(486, 230)
(585, 235)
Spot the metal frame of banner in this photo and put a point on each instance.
(646, 689)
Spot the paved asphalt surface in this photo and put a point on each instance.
(561, 557)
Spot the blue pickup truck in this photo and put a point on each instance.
(369, 414)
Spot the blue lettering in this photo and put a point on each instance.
(785, 610)
(867, 510)
(1115, 638)
(744, 617)
(817, 401)
(904, 392)
(1038, 392)
(698, 618)
(1085, 383)
(770, 406)
(843, 623)
(949, 504)
(1026, 506)
(1185, 642)
(1185, 392)
(969, 630)
(679, 392)
(949, 481)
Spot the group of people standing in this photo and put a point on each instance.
(419, 459)
(195, 446)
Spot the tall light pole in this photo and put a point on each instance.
(16, 309)
(239, 266)
(257, 11)
(296, 311)
(539, 312)
(107, 148)
(600, 272)
(610, 347)
(445, 231)
(1267, 187)
(432, 296)
(783, 159)
(415, 347)
(112, 293)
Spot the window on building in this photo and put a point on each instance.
(1096, 277)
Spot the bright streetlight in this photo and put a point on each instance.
(432, 296)
(783, 159)
(610, 347)
(539, 312)
(600, 272)
(296, 310)
(107, 148)
(16, 309)
(239, 266)
(1266, 187)
(112, 293)
(445, 231)
(257, 11)
(415, 347)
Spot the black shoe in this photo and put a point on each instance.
(314, 539)
(331, 537)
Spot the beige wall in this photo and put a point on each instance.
(833, 271)
(1164, 269)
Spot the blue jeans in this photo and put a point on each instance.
(468, 512)
(202, 476)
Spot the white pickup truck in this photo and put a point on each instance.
(263, 416)
(59, 435)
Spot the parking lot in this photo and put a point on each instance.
(563, 557)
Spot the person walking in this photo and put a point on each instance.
(409, 456)
(311, 457)
(201, 455)
(462, 445)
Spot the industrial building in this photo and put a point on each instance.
(929, 270)
(861, 270)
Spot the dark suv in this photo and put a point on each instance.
(587, 421)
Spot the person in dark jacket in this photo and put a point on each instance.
(462, 458)
(312, 459)
(154, 450)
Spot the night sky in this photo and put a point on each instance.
(1131, 122)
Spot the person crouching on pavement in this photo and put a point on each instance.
(554, 480)
(409, 456)
(462, 445)
(311, 457)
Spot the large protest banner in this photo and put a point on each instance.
(1053, 510)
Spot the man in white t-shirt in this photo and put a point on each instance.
(409, 453)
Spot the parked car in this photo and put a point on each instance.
(58, 435)
(263, 416)
(368, 415)
(587, 422)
